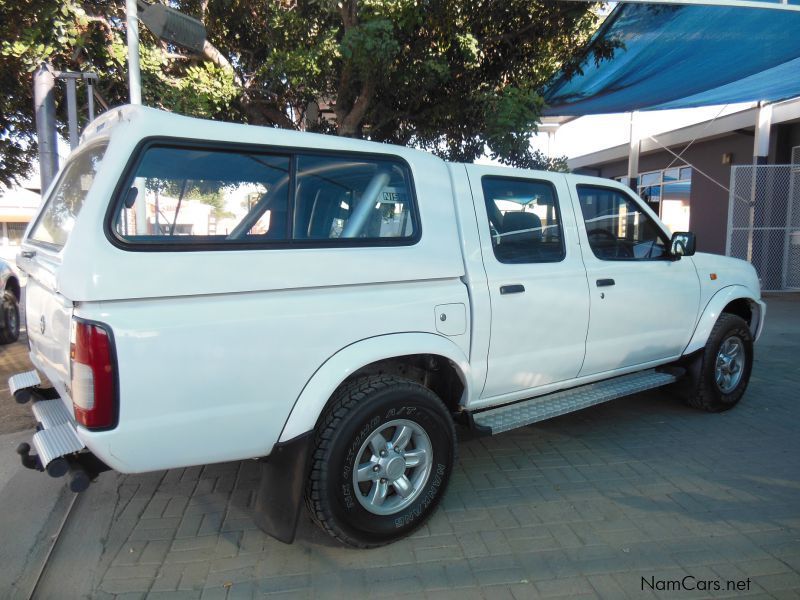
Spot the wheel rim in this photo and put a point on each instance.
(392, 467)
(729, 364)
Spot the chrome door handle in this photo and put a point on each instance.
(604, 282)
(516, 288)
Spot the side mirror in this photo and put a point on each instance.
(682, 244)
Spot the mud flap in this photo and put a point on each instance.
(279, 499)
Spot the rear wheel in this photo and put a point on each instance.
(718, 377)
(383, 455)
(9, 319)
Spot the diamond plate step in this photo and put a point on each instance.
(57, 441)
(51, 413)
(24, 380)
(519, 414)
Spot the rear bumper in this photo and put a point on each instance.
(57, 447)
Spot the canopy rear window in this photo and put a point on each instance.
(195, 197)
(56, 221)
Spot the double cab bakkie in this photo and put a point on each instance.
(201, 292)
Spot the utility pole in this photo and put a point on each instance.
(134, 75)
(45, 111)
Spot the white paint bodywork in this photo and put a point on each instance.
(537, 337)
(224, 353)
(647, 315)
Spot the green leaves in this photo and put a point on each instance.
(457, 78)
(370, 47)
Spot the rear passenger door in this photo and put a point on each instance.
(537, 281)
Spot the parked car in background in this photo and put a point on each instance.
(9, 320)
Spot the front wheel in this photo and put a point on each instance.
(719, 375)
(383, 455)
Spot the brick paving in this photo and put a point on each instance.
(585, 505)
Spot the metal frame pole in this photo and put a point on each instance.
(90, 98)
(72, 112)
(45, 111)
(787, 232)
(634, 147)
(731, 206)
(134, 74)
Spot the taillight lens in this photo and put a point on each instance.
(94, 389)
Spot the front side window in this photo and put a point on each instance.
(56, 221)
(190, 196)
(523, 220)
(618, 229)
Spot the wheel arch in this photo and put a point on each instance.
(12, 285)
(734, 299)
(386, 353)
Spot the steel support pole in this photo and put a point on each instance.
(551, 144)
(762, 139)
(634, 147)
(90, 98)
(45, 111)
(134, 75)
(72, 112)
(760, 157)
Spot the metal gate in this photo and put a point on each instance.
(764, 222)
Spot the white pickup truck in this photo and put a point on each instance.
(202, 292)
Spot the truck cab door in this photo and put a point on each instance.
(644, 303)
(537, 282)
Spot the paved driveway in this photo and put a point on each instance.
(612, 501)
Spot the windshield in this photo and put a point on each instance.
(59, 215)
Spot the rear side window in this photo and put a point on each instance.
(193, 197)
(58, 217)
(523, 220)
(185, 195)
(351, 198)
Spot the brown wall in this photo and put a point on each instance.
(708, 201)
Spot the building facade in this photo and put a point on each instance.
(685, 175)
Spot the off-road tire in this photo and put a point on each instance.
(701, 389)
(9, 318)
(354, 413)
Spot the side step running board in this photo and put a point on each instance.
(519, 414)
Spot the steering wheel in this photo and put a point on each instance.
(620, 250)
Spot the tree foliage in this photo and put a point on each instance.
(458, 78)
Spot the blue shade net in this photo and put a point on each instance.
(682, 57)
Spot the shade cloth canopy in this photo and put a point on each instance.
(684, 56)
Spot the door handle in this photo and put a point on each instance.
(517, 288)
(604, 282)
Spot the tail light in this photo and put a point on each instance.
(94, 374)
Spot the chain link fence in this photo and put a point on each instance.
(764, 222)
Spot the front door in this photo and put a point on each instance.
(537, 282)
(644, 303)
